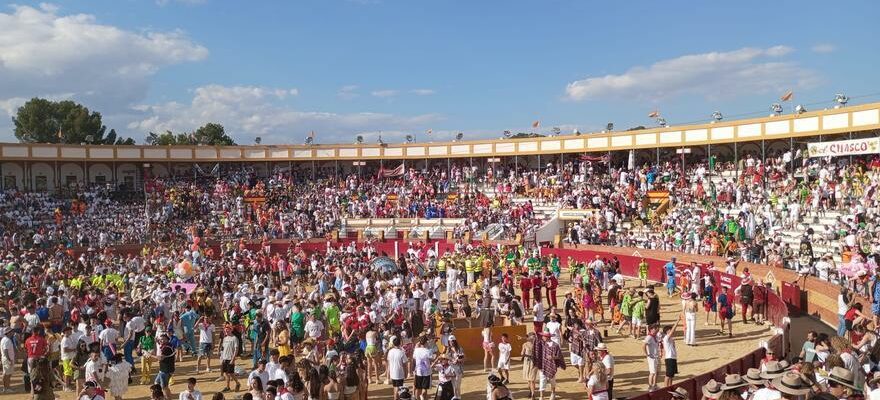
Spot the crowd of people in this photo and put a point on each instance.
(299, 321)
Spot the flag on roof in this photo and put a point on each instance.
(787, 96)
(536, 124)
(654, 114)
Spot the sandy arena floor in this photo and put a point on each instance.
(711, 352)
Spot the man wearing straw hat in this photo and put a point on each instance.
(712, 389)
(772, 370)
(734, 382)
(841, 383)
(753, 377)
(792, 385)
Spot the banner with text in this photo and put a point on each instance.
(844, 147)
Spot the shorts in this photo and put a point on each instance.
(653, 365)
(67, 368)
(643, 275)
(636, 321)
(396, 383)
(488, 346)
(370, 351)
(577, 360)
(503, 363)
(162, 379)
(423, 382)
(227, 367)
(671, 367)
(8, 367)
(205, 349)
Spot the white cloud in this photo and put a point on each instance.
(248, 111)
(711, 75)
(43, 52)
(384, 93)
(348, 92)
(823, 48)
(422, 92)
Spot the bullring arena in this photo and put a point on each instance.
(293, 232)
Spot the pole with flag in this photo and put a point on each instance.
(787, 97)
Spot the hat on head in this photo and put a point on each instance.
(680, 393)
(601, 347)
(843, 376)
(545, 334)
(733, 381)
(773, 369)
(712, 389)
(753, 376)
(792, 383)
(452, 337)
(686, 296)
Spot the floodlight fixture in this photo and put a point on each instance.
(609, 126)
(360, 139)
(717, 116)
(841, 99)
(776, 108)
(800, 109)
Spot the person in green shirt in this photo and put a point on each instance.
(626, 311)
(554, 266)
(146, 347)
(333, 318)
(643, 273)
(297, 324)
(638, 314)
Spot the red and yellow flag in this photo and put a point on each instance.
(787, 96)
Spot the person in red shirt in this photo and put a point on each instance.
(525, 284)
(37, 347)
(537, 283)
(552, 283)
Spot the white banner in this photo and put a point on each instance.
(844, 147)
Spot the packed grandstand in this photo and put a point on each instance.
(318, 283)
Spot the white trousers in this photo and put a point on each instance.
(690, 328)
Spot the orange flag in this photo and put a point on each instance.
(654, 114)
(787, 96)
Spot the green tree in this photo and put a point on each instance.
(45, 121)
(211, 134)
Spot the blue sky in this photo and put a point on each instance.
(279, 69)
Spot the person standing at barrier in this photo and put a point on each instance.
(761, 294)
(530, 371)
(746, 297)
(690, 319)
(643, 273)
(669, 268)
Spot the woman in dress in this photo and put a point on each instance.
(118, 373)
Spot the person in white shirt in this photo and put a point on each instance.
(190, 393)
(397, 366)
(504, 350)
(260, 372)
(69, 345)
(206, 343)
(652, 354)
(597, 384)
(7, 347)
(314, 327)
(94, 369)
(422, 358)
(608, 362)
(670, 354)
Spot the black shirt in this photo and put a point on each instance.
(166, 361)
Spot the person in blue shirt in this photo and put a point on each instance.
(670, 277)
(189, 319)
